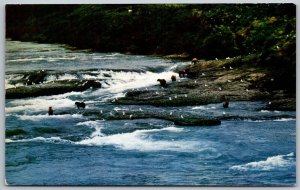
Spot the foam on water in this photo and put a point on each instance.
(41, 139)
(38, 104)
(271, 163)
(264, 111)
(203, 108)
(97, 125)
(51, 78)
(42, 103)
(141, 140)
(47, 117)
(279, 120)
(138, 140)
(122, 81)
(285, 119)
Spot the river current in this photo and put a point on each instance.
(256, 148)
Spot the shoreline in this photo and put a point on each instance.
(212, 81)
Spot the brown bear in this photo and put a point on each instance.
(163, 82)
(173, 78)
(182, 73)
(194, 60)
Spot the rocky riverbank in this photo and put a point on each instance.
(53, 88)
(234, 79)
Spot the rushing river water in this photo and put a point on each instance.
(73, 149)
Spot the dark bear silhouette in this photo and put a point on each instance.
(226, 104)
(173, 78)
(182, 73)
(163, 82)
(80, 105)
(50, 111)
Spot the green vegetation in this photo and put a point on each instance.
(205, 31)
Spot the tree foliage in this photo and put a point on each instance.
(203, 30)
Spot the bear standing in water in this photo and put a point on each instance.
(50, 111)
(80, 105)
(226, 104)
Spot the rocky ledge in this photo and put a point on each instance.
(234, 79)
(52, 88)
(182, 119)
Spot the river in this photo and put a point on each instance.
(70, 148)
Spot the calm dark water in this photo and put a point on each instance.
(258, 148)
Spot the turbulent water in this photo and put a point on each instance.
(256, 148)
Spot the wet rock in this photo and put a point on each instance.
(183, 119)
(286, 104)
(53, 88)
(106, 75)
(35, 77)
(14, 132)
(235, 78)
